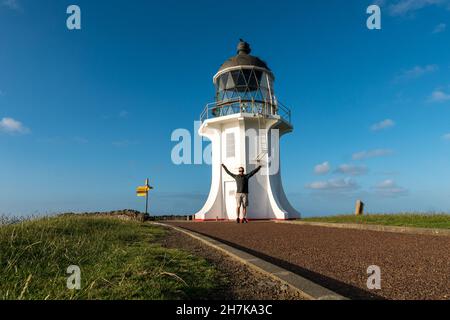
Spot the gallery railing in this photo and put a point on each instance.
(229, 107)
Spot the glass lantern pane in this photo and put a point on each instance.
(258, 96)
(258, 75)
(252, 82)
(263, 81)
(230, 81)
(240, 82)
(247, 96)
(265, 94)
(232, 94)
(223, 81)
(247, 74)
(235, 75)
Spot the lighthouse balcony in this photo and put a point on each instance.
(237, 106)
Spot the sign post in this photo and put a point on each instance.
(146, 198)
(142, 191)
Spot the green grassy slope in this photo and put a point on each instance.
(118, 260)
(405, 220)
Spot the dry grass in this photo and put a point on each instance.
(118, 260)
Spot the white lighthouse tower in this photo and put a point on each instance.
(244, 125)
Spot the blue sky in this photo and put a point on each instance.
(87, 115)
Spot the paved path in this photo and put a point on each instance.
(412, 266)
(236, 281)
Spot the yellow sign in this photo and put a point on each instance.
(142, 191)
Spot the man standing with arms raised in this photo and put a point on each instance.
(241, 191)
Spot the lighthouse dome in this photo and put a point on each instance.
(244, 77)
(243, 58)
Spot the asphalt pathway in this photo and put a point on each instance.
(412, 266)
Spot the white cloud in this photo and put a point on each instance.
(386, 184)
(440, 28)
(80, 140)
(11, 4)
(11, 126)
(405, 7)
(385, 124)
(446, 136)
(439, 95)
(124, 143)
(389, 188)
(371, 154)
(322, 168)
(334, 184)
(380, 2)
(416, 72)
(352, 170)
(123, 114)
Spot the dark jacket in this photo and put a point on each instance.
(242, 180)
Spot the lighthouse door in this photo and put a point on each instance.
(230, 200)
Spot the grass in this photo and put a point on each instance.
(118, 260)
(441, 221)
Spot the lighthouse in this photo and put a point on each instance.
(245, 124)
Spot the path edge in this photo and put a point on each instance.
(373, 227)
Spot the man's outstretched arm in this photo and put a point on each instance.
(254, 172)
(228, 171)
